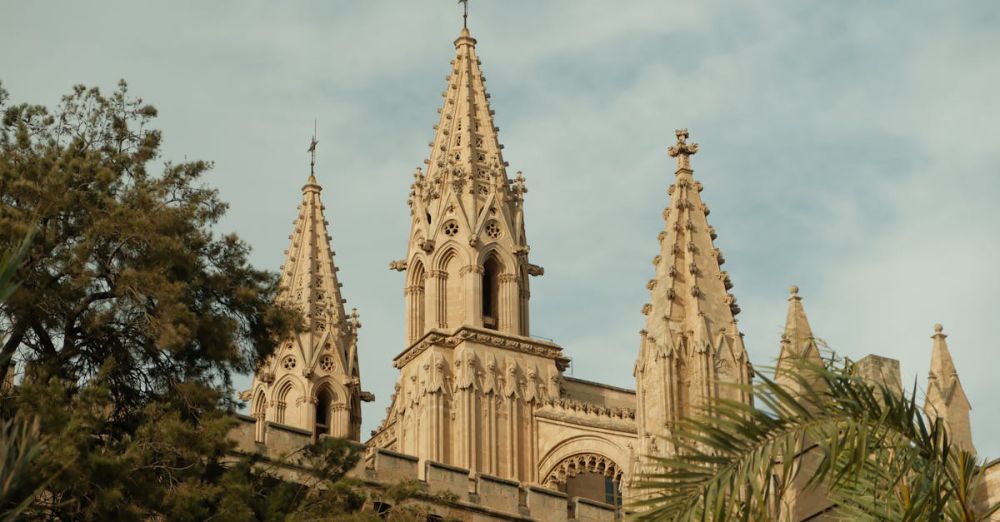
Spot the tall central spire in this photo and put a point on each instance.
(467, 295)
(466, 147)
(465, 206)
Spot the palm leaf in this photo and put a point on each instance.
(875, 454)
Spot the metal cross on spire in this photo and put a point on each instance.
(683, 150)
(465, 13)
(312, 149)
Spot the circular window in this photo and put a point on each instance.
(288, 362)
(326, 363)
(493, 229)
(450, 229)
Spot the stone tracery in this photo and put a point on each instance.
(579, 463)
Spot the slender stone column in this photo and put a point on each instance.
(437, 298)
(510, 317)
(472, 275)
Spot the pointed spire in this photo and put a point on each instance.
(945, 396)
(689, 293)
(324, 351)
(309, 275)
(691, 347)
(797, 341)
(466, 157)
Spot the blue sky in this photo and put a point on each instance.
(846, 147)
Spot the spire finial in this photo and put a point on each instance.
(683, 150)
(312, 149)
(465, 13)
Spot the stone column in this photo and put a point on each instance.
(509, 320)
(472, 276)
(437, 296)
(339, 423)
(415, 321)
(523, 296)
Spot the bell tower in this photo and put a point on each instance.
(467, 255)
(470, 374)
(313, 381)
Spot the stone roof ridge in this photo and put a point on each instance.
(689, 293)
(308, 277)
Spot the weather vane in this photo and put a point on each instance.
(465, 13)
(312, 149)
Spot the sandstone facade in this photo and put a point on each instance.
(480, 406)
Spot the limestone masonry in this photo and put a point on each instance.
(483, 409)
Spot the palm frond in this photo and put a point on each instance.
(873, 453)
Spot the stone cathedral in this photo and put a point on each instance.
(479, 398)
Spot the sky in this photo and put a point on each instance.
(848, 147)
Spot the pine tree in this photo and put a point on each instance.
(129, 321)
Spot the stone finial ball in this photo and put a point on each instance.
(938, 328)
(794, 290)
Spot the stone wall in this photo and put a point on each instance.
(878, 369)
(990, 494)
(465, 495)
(452, 492)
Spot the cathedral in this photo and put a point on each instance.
(476, 392)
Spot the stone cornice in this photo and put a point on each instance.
(514, 343)
(507, 278)
(576, 412)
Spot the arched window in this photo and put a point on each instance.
(259, 414)
(324, 400)
(491, 293)
(286, 394)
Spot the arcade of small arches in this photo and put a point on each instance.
(589, 475)
(329, 414)
(497, 287)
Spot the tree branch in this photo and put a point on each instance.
(7, 353)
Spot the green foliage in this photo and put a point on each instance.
(20, 443)
(876, 455)
(124, 265)
(128, 322)
(20, 440)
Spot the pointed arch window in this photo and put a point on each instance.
(259, 413)
(491, 292)
(324, 402)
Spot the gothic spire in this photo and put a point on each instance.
(312, 381)
(945, 396)
(797, 341)
(466, 170)
(309, 276)
(690, 350)
(689, 294)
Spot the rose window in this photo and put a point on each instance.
(450, 229)
(326, 363)
(288, 362)
(493, 229)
